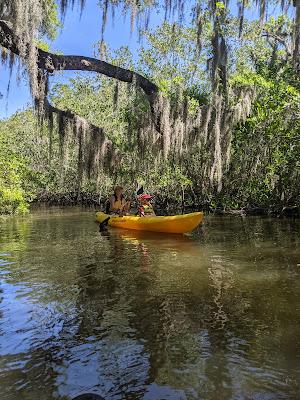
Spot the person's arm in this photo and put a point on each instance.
(126, 206)
(141, 211)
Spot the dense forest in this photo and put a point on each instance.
(206, 112)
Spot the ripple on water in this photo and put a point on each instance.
(141, 316)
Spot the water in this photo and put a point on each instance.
(214, 315)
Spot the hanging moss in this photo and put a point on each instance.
(166, 128)
(211, 126)
(95, 153)
(116, 95)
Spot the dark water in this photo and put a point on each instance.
(215, 315)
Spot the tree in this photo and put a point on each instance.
(177, 113)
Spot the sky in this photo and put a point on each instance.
(78, 36)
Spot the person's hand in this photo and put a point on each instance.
(142, 212)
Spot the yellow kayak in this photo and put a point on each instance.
(170, 224)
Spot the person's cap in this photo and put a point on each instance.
(145, 196)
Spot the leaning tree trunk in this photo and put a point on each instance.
(296, 52)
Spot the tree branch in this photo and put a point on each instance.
(296, 51)
(53, 62)
(279, 39)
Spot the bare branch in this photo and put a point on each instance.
(53, 62)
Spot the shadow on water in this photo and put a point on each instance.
(136, 315)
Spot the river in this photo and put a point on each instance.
(211, 315)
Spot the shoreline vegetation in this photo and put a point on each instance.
(163, 205)
(200, 124)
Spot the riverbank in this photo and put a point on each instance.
(164, 205)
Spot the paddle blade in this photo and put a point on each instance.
(140, 191)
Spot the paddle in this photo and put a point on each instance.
(140, 191)
(88, 396)
(103, 224)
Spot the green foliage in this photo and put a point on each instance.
(266, 147)
(51, 22)
(13, 198)
(26, 166)
(264, 153)
(171, 58)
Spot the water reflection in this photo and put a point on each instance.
(132, 315)
(222, 281)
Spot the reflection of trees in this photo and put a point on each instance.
(14, 234)
(105, 304)
(221, 279)
(119, 305)
(126, 310)
(28, 373)
(185, 330)
(38, 315)
(28, 347)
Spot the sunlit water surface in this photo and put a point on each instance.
(214, 315)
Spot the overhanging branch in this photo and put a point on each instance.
(53, 62)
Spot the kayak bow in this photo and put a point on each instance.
(169, 224)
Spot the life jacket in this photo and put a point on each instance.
(107, 207)
(146, 209)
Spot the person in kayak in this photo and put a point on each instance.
(145, 207)
(117, 203)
